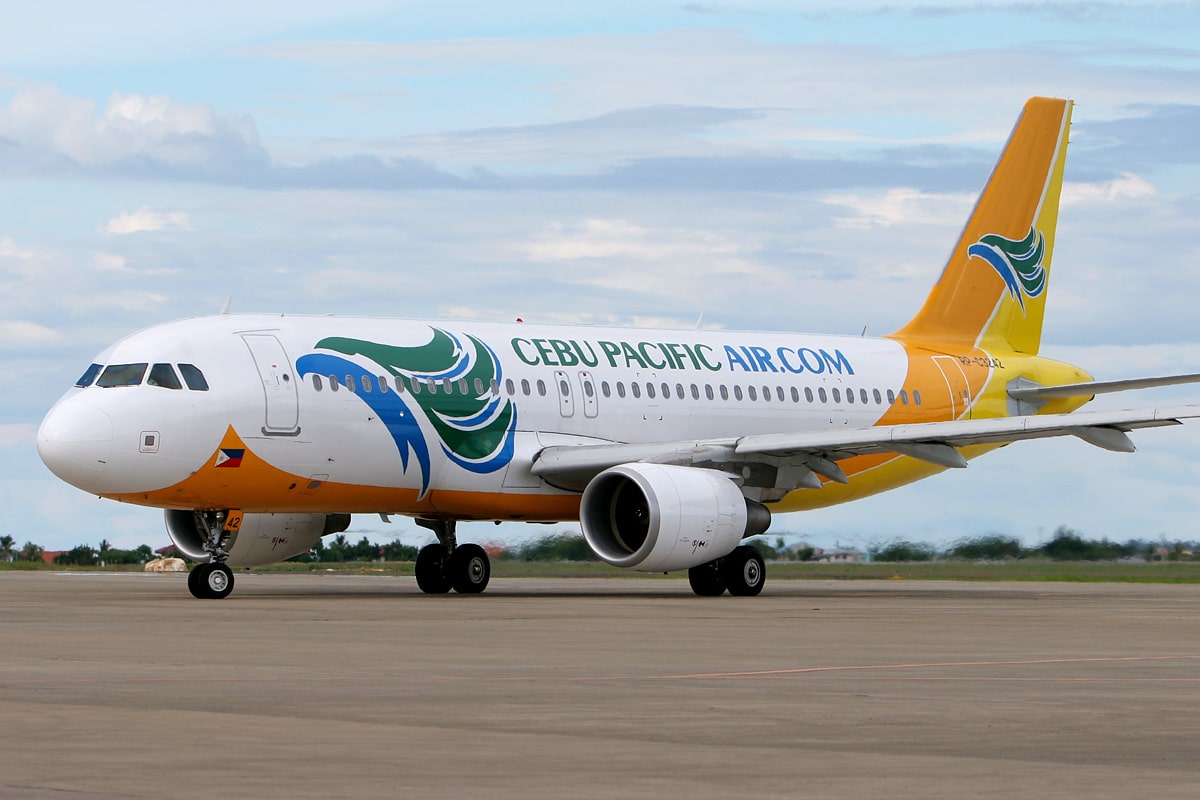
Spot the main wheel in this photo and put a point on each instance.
(431, 570)
(744, 571)
(707, 580)
(469, 569)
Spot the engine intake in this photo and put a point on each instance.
(660, 517)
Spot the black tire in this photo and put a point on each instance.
(744, 571)
(469, 569)
(431, 570)
(707, 580)
(196, 580)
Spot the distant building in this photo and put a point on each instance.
(847, 555)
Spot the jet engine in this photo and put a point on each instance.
(261, 538)
(659, 517)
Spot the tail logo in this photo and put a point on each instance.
(1018, 262)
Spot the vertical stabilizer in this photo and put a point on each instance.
(992, 292)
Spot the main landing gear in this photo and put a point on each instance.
(448, 565)
(742, 572)
(213, 580)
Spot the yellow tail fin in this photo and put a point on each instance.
(992, 293)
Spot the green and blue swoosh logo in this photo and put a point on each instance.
(1018, 262)
(474, 429)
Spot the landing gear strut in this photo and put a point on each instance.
(742, 572)
(448, 565)
(213, 580)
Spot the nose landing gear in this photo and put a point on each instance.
(214, 580)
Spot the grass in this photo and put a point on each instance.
(1018, 570)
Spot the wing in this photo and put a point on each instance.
(777, 463)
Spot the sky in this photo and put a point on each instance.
(772, 165)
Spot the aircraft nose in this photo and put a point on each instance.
(75, 442)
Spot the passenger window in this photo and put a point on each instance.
(795, 395)
(605, 389)
(779, 393)
(837, 394)
(903, 397)
(891, 397)
(447, 386)
(193, 378)
(862, 395)
(510, 388)
(163, 375)
(808, 395)
(724, 392)
(541, 384)
(679, 390)
(708, 392)
(400, 387)
(650, 390)
(589, 390)
(695, 392)
(620, 388)
(666, 392)
(525, 386)
(383, 384)
(122, 375)
(88, 376)
(752, 393)
(350, 384)
(333, 383)
(849, 396)
(878, 398)
(635, 389)
(478, 387)
(366, 383)
(916, 397)
(737, 392)
(495, 388)
(317, 383)
(462, 385)
(821, 394)
(564, 388)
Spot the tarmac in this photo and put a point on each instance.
(331, 685)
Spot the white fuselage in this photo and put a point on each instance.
(435, 409)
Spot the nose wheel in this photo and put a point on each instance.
(210, 581)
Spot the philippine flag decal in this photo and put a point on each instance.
(229, 457)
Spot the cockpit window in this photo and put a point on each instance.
(122, 375)
(89, 376)
(163, 375)
(193, 377)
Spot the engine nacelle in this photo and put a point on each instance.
(659, 517)
(261, 538)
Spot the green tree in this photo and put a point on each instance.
(992, 547)
(902, 550)
(82, 555)
(30, 552)
(7, 543)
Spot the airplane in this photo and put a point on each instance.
(258, 434)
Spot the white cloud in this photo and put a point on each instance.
(132, 130)
(19, 333)
(129, 300)
(900, 206)
(1126, 187)
(145, 219)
